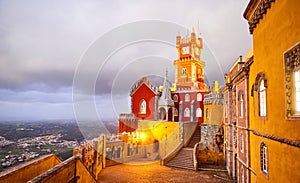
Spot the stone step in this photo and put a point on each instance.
(186, 163)
(195, 138)
(182, 167)
(183, 160)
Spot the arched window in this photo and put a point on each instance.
(198, 112)
(175, 98)
(199, 97)
(264, 158)
(241, 103)
(175, 112)
(261, 87)
(242, 175)
(262, 99)
(184, 73)
(241, 142)
(143, 107)
(187, 97)
(187, 112)
(226, 109)
(207, 115)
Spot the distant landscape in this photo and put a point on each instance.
(24, 140)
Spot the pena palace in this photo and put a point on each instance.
(181, 102)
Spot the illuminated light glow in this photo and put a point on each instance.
(143, 136)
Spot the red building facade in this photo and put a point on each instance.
(183, 102)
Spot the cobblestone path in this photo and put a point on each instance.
(153, 172)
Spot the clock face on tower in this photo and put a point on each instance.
(185, 50)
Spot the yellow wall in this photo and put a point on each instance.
(215, 116)
(167, 133)
(33, 169)
(283, 165)
(278, 30)
(65, 171)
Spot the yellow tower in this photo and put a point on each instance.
(189, 68)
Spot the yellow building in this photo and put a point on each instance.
(213, 106)
(274, 91)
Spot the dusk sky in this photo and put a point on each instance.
(44, 43)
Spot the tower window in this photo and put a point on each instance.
(199, 97)
(264, 158)
(184, 72)
(187, 112)
(187, 97)
(199, 112)
(143, 107)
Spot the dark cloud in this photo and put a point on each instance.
(42, 43)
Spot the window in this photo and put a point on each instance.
(187, 112)
(198, 112)
(297, 91)
(242, 175)
(199, 97)
(143, 107)
(292, 80)
(241, 103)
(175, 98)
(175, 112)
(241, 142)
(187, 97)
(184, 73)
(119, 152)
(262, 99)
(261, 87)
(207, 116)
(226, 110)
(128, 150)
(264, 158)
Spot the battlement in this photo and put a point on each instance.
(146, 82)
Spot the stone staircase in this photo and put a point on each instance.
(184, 159)
(195, 138)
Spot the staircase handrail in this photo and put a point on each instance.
(195, 155)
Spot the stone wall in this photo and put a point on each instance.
(211, 145)
(27, 171)
(71, 170)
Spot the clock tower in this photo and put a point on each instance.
(189, 68)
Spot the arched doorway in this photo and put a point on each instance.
(162, 113)
(170, 114)
(156, 146)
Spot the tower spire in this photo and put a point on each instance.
(166, 99)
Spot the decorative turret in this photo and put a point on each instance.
(166, 99)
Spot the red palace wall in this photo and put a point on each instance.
(241, 121)
(143, 92)
(187, 104)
